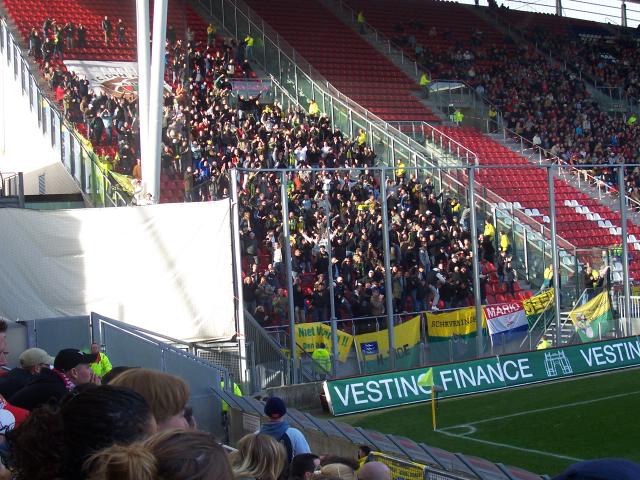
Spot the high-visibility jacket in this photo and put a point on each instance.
(313, 108)
(236, 391)
(400, 171)
(424, 80)
(548, 273)
(489, 231)
(322, 358)
(362, 138)
(458, 116)
(102, 366)
(632, 120)
(504, 242)
(249, 40)
(360, 17)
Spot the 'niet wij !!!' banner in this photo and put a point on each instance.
(392, 389)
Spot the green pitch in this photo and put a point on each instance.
(542, 428)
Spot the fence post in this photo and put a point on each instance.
(237, 260)
(624, 243)
(287, 244)
(475, 263)
(387, 269)
(554, 252)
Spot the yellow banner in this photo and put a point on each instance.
(539, 303)
(456, 322)
(310, 335)
(400, 469)
(592, 319)
(407, 335)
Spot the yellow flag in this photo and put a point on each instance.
(426, 379)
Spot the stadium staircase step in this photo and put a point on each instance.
(612, 202)
(345, 59)
(397, 56)
(567, 330)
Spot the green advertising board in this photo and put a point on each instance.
(392, 389)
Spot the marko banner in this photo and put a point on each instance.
(310, 335)
(392, 389)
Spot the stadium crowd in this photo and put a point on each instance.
(539, 99)
(208, 130)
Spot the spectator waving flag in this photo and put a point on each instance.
(507, 322)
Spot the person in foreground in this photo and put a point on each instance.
(277, 427)
(602, 469)
(259, 457)
(173, 454)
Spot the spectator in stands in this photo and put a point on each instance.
(258, 457)
(363, 454)
(339, 467)
(121, 31)
(166, 394)
(277, 427)
(174, 454)
(99, 417)
(31, 361)
(374, 471)
(54, 441)
(102, 365)
(107, 28)
(82, 36)
(304, 466)
(70, 370)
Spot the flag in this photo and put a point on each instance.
(507, 322)
(373, 348)
(453, 334)
(535, 306)
(426, 379)
(593, 319)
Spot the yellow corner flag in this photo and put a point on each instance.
(426, 379)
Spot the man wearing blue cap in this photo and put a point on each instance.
(277, 427)
(602, 469)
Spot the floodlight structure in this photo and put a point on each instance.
(150, 90)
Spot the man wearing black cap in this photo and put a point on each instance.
(70, 369)
(293, 439)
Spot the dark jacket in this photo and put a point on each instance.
(45, 387)
(14, 381)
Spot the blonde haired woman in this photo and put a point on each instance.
(170, 455)
(259, 457)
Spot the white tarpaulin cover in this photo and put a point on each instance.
(166, 268)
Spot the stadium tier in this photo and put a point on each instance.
(351, 64)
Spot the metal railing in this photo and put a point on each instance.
(390, 46)
(302, 82)
(545, 156)
(73, 151)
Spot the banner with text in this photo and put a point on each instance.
(506, 321)
(309, 336)
(373, 348)
(392, 389)
(538, 304)
(119, 79)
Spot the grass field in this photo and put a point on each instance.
(542, 428)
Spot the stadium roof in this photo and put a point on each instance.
(595, 10)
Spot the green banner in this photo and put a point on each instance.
(392, 389)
